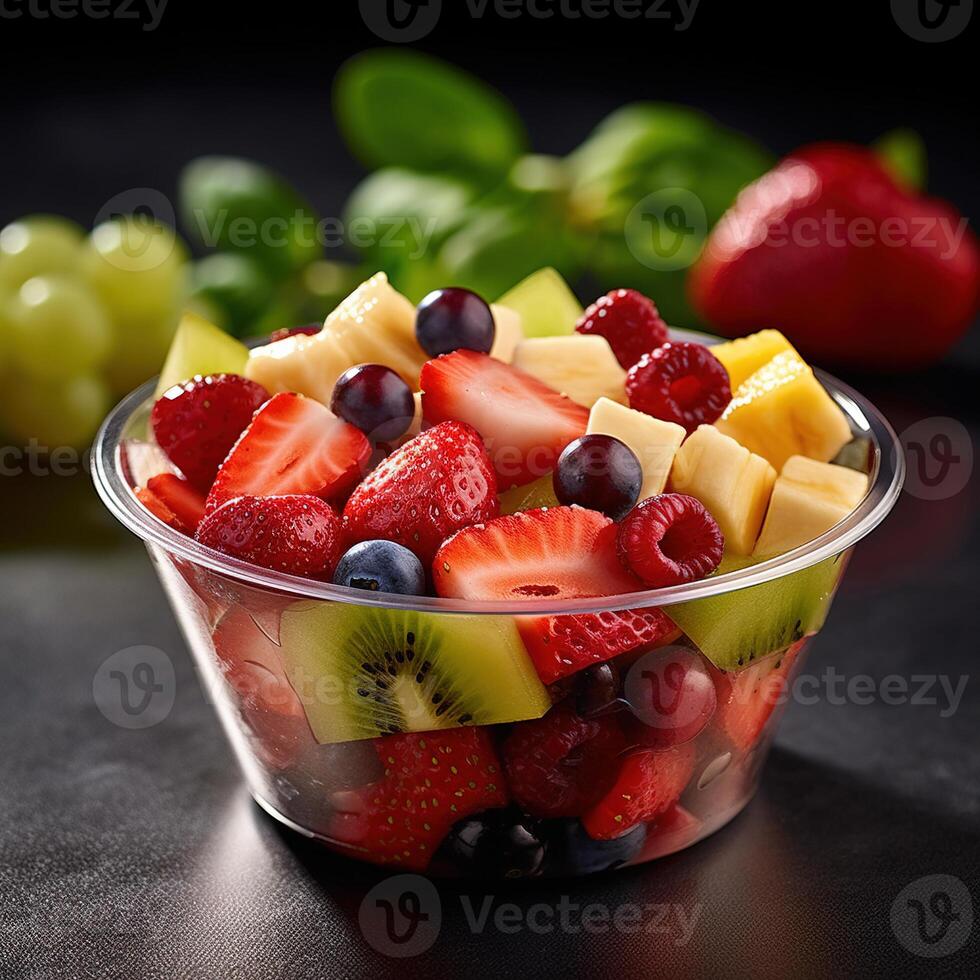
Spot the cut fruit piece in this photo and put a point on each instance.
(808, 499)
(744, 356)
(670, 832)
(546, 304)
(782, 410)
(202, 348)
(374, 325)
(388, 671)
(654, 441)
(524, 423)
(649, 784)
(531, 496)
(736, 629)
(180, 498)
(746, 700)
(509, 332)
(732, 483)
(581, 366)
(430, 782)
(293, 445)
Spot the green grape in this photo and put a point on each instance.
(36, 246)
(58, 328)
(58, 413)
(137, 266)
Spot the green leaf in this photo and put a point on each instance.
(399, 107)
(904, 155)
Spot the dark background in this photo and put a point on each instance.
(138, 854)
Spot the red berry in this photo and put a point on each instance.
(672, 698)
(431, 780)
(196, 423)
(648, 784)
(680, 382)
(297, 534)
(670, 539)
(434, 485)
(174, 501)
(629, 321)
(307, 330)
(561, 765)
(293, 445)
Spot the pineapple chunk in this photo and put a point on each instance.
(654, 441)
(375, 324)
(744, 356)
(808, 499)
(782, 411)
(732, 483)
(580, 366)
(509, 332)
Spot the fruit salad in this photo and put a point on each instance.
(413, 463)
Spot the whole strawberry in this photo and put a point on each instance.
(196, 423)
(629, 321)
(297, 534)
(434, 485)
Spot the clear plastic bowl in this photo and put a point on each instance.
(231, 614)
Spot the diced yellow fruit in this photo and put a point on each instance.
(653, 440)
(509, 332)
(540, 493)
(199, 347)
(809, 498)
(732, 483)
(581, 366)
(744, 356)
(546, 304)
(782, 411)
(416, 427)
(375, 324)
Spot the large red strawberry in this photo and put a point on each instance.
(629, 321)
(425, 491)
(293, 445)
(747, 699)
(525, 423)
(297, 534)
(196, 423)
(552, 553)
(648, 784)
(431, 780)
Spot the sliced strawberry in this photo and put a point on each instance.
(673, 830)
(268, 704)
(629, 321)
(196, 423)
(158, 508)
(525, 423)
(296, 534)
(747, 699)
(648, 784)
(181, 499)
(561, 765)
(431, 780)
(293, 445)
(434, 485)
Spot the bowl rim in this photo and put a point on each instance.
(887, 475)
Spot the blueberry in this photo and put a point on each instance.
(454, 318)
(571, 851)
(495, 844)
(375, 399)
(381, 566)
(599, 472)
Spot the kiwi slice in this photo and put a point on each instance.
(737, 628)
(361, 672)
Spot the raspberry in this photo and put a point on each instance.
(680, 382)
(307, 330)
(561, 765)
(670, 539)
(629, 321)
